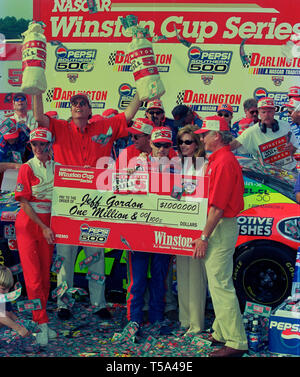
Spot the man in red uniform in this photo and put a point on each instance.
(80, 143)
(217, 242)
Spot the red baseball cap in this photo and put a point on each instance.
(266, 103)
(40, 134)
(141, 126)
(155, 104)
(13, 133)
(161, 134)
(225, 107)
(213, 123)
(294, 91)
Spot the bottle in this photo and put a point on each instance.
(254, 337)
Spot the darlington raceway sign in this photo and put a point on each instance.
(150, 212)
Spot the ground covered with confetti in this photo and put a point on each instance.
(85, 335)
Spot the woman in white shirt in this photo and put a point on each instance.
(191, 275)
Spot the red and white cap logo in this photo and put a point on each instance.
(266, 102)
(141, 126)
(41, 134)
(294, 91)
(163, 134)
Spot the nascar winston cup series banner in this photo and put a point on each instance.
(105, 208)
(207, 53)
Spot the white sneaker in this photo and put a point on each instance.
(51, 333)
(42, 336)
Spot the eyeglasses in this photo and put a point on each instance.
(187, 142)
(155, 112)
(253, 112)
(162, 145)
(225, 115)
(80, 103)
(19, 99)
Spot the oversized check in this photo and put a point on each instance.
(143, 211)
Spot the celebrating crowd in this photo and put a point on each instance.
(36, 142)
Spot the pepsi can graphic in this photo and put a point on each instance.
(253, 341)
(284, 334)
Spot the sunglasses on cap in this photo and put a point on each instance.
(19, 99)
(163, 145)
(187, 142)
(225, 115)
(80, 103)
(159, 112)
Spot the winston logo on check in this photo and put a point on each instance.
(162, 240)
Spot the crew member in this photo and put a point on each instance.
(266, 130)
(34, 236)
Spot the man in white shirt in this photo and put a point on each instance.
(21, 112)
(269, 140)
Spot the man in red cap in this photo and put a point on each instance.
(217, 242)
(82, 143)
(156, 113)
(256, 139)
(14, 147)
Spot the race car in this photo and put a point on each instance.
(269, 235)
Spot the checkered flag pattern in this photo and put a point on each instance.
(112, 58)
(49, 95)
(247, 65)
(180, 97)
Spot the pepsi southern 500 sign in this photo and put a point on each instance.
(144, 211)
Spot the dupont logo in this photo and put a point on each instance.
(93, 234)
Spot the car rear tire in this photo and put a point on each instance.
(263, 273)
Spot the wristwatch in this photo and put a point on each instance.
(203, 237)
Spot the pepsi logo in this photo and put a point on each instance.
(61, 52)
(260, 93)
(125, 90)
(290, 339)
(195, 53)
(289, 334)
(84, 228)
